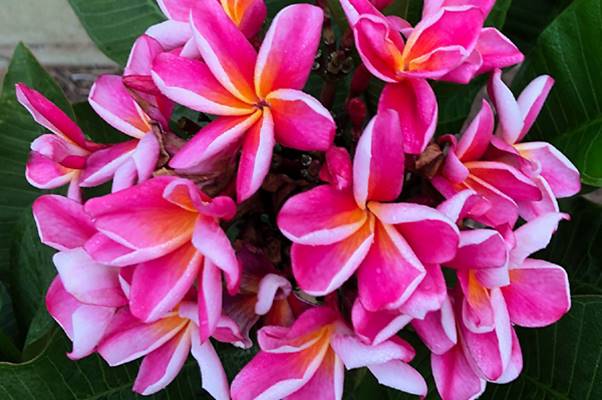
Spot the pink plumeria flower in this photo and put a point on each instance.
(257, 96)
(307, 360)
(263, 292)
(551, 170)
(85, 295)
(501, 184)
(165, 345)
(492, 50)
(59, 158)
(132, 161)
(350, 225)
(176, 33)
(440, 43)
(170, 231)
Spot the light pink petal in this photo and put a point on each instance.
(84, 324)
(400, 376)
(225, 50)
(558, 171)
(102, 164)
(507, 108)
(534, 236)
(213, 376)
(111, 100)
(515, 365)
(220, 137)
(50, 116)
(326, 383)
(506, 179)
(390, 272)
(531, 100)
(270, 288)
(429, 294)
(45, 173)
(475, 139)
(538, 294)
(171, 35)
(300, 121)
(159, 285)
(465, 203)
(125, 176)
(497, 51)
(210, 299)
(323, 215)
(378, 165)
(377, 327)
(548, 204)
(256, 156)
(321, 269)
(480, 248)
(288, 50)
(146, 156)
(61, 222)
(337, 168)
(432, 6)
(128, 338)
(177, 10)
(211, 241)
(454, 377)
(191, 83)
(356, 354)
(416, 105)
(503, 210)
(160, 367)
(453, 169)
(422, 227)
(143, 53)
(438, 329)
(87, 281)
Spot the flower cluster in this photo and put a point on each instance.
(169, 263)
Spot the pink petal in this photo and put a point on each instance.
(422, 227)
(534, 236)
(288, 50)
(548, 204)
(271, 287)
(390, 272)
(177, 10)
(378, 165)
(538, 294)
(432, 6)
(515, 365)
(321, 269)
(400, 376)
(466, 71)
(102, 164)
(429, 294)
(508, 111)
(225, 50)
(45, 173)
(480, 248)
(354, 8)
(497, 51)
(377, 327)
(125, 176)
(187, 195)
(322, 215)
(146, 156)
(160, 367)
(465, 203)
(326, 383)
(111, 100)
(87, 281)
(172, 35)
(453, 169)
(50, 116)
(558, 171)
(356, 354)
(143, 53)
(475, 139)
(300, 121)
(531, 100)
(256, 156)
(211, 241)
(503, 209)
(438, 329)
(84, 324)
(210, 299)
(506, 179)
(61, 222)
(249, 15)
(213, 376)
(192, 84)
(416, 105)
(454, 377)
(337, 169)
(477, 309)
(159, 285)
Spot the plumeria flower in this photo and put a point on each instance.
(263, 292)
(59, 158)
(351, 225)
(165, 345)
(552, 171)
(492, 50)
(170, 231)
(466, 166)
(307, 360)
(128, 162)
(256, 95)
(176, 33)
(440, 43)
(86, 294)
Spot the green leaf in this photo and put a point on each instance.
(410, 10)
(114, 25)
(570, 51)
(95, 127)
(497, 16)
(562, 361)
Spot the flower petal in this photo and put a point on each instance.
(356, 354)
(506, 179)
(531, 100)
(102, 164)
(379, 326)
(326, 383)
(496, 50)
(337, 168)
(454, 377)
(249, 15)
(508, 111)
(400, 376)
(534, 236)
(438, 329)
(44, 173)
(213, 376)
(480, 248)
(429, 294)
(475, 139)
(210, 299)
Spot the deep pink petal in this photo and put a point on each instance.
(496, 50)
(376, 327)
(506, 179)
(429, 294)
(102, 164)
(454, 377)
(480, 248)
(326, 383)
(45, 173)
(465, 203)
(337, 168)
(438, 329)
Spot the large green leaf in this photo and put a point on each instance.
(114, 25)
(570, 50)
(562, 361)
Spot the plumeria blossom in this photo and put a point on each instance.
(492, 50)
(170, 231)
(176, 33)
(58, 158)
(311, 356)
(257, 96)
(351, 225)
(551, 170)
(439, 44)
